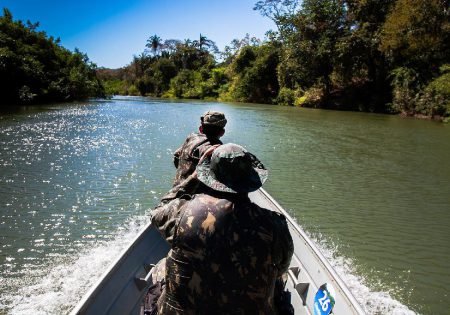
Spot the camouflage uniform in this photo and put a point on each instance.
(165, 215)
(187, 156)
(227, 253)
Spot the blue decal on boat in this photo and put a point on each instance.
(324, 300)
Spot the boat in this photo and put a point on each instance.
(314, 286)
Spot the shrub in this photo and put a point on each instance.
(186, 84)
(436, 95)
(286, 96)
(411, 98)
(132, 90)
(311, 98)
(404, 85)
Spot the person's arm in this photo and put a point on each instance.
(283, 251)
(165, 215)
(177, 154)
(282, 297)
(176, 157)
(185, 189)
(283, 245)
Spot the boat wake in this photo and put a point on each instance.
(373, 302)
(57, 288)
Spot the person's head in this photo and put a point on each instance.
(232, 169)
(213, 124)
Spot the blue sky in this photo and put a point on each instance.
(111, 32)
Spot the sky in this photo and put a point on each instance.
(111, 32)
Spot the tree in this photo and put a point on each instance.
(417, 34)
(318, 26)
(278, 11)
(205, 44)
(154, 44)
(236, 44)
(170, 45)
(39, 69)
(254, 74)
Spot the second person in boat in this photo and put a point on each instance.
(186, 157)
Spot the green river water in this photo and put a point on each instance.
(78, 180)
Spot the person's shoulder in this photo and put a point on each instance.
(194, 139)
(199, 199)
(273, 217)
(211, 202)
(206, 199)
(196, 135)
(202, 204)
(191, 137)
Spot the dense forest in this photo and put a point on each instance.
(35, 68)
(389, 56)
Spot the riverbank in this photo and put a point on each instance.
(309, 101)
(425, 117)
(320, 59)
(320, 56)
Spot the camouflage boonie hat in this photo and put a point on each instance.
(212, 118)
(232, 169)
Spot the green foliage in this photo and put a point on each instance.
(311, 98)
(116, 87)
(154, 43)
(244, 59)
(441, 85)
(173, 69)
(412, 98)
(156, 79)
(437, 94)
(186, 84)
(404, 85)
(366, 55)
(286, 96)
(254, 77)
(315, 35)
(417, 34)
(132, 90)
(39, 69)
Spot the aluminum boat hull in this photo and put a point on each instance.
(121, 288)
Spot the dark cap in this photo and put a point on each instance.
(212, 118)
(232, 169)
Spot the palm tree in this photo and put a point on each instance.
(205, 42)
(154, 43)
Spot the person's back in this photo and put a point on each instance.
(227, 252)
(187, 156)
(226, 257)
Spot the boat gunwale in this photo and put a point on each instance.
(112, 267)
(327, 266)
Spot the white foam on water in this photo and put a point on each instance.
(373, 302)
(60, 287)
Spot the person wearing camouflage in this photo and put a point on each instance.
(187, 156)
(227, 253)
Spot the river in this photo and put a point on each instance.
(78, 180)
